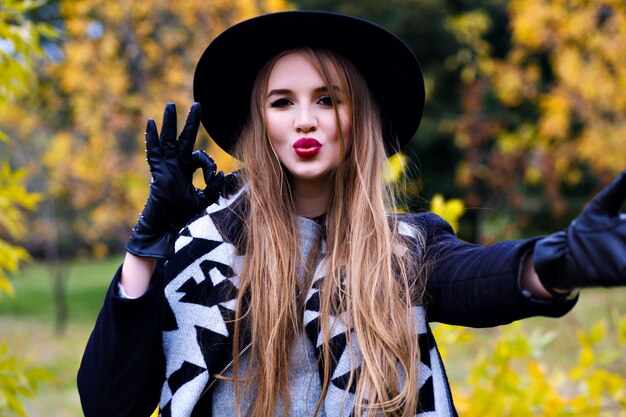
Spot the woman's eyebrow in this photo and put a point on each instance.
(286, 91)
(323, 89)
(280, 92)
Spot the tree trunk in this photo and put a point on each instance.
(60, 299)
(58, 272)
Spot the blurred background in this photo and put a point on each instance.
(525, 119)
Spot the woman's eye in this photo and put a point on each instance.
(281, 102)
(326, 101)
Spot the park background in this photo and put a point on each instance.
(525, 119)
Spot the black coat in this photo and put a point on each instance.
(123, 366)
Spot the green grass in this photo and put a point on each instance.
(27, 323)
(86, 281)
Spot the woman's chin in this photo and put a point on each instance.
(309, 176)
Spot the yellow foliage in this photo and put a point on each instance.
(567, 61)
(508, 84)
(602, 144)
(11, 256)
(555, 118)
(17, 378)
(532, 27)
(14, 199)
(394, 167)
(469, 29)
(121, 63)
(509, 376)
(451, 336)
(622, 330)
(450, 210)
(21, 46)
(522, 138)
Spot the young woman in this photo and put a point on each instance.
(291, 287)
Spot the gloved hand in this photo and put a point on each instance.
(173, 199)
(591, 251)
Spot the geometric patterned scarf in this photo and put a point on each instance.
(201, 287)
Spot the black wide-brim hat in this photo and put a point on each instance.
(228, 67)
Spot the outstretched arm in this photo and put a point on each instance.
(483, 286)
(591, 252)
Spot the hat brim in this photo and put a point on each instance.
(228, 67)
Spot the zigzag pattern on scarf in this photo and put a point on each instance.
(200, 297)
(340, 397)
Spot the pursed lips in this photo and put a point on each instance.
(307, 148)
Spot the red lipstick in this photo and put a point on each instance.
(307, 148)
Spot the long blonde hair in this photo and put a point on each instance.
(371, 276)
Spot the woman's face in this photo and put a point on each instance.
(301, 121)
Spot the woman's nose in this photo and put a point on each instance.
(305, 120)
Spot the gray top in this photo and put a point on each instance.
(304, 383)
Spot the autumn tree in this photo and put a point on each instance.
(545, 115)
(121, 63)
(20, 47)
(117, 64)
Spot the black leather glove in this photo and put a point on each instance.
(592, 250)
(173, 199)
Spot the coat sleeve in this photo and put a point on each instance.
(122, 368)
(479, 286)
